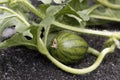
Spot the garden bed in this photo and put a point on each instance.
(21, 63)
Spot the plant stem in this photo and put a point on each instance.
(32, 8)
(46, 34)
(104, 17)
(84, 70)
(40, 45)
(93, 51)
(108, 4)
(17, 15)
(82, 30)
(88, 31)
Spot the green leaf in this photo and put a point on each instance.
(3, 1)
(115, 1)
(20, 39)
(52, 10)
(46, 1)
(94, 22)
(81, 22)
(25, 15)
(70, 20)
(49, 18)
(8, 19)
(47, 21)
(79, 4)
(42, 8)
(16, 40)
(17, 5)
(73, 16)
(106, 14)
(50, 1)
(36, 32)
(59, 1)
(83, 14)
(67, 10)
(69, 16)
(109, 2)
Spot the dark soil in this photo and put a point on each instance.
(20, 63)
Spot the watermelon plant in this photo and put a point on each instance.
(54, 31)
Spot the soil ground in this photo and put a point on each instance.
(20, 63)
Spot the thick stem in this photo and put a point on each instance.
(108, 4)
(32, 8)
(93, 51)
(104, 17)
(84, 70)
(82, 30)
(40, 45)
(46, 34)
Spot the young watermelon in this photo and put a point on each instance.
(68, 47)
